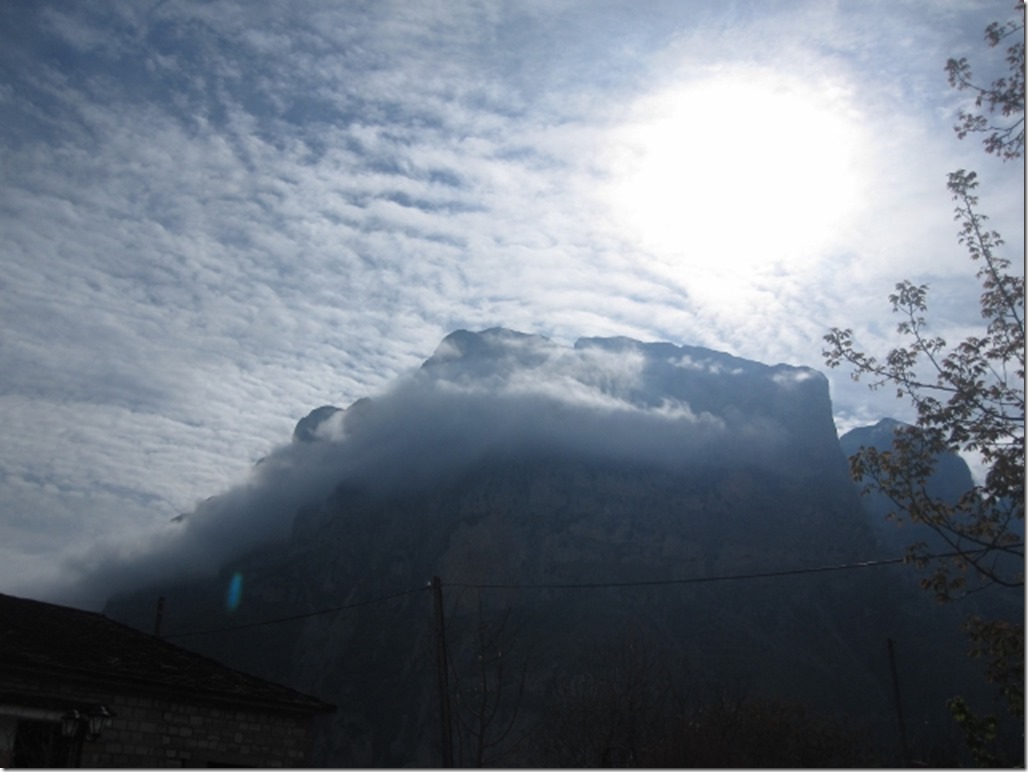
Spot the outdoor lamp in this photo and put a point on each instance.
(99, 719)
(70, 723)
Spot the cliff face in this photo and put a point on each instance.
(575, 503)
(535, 527)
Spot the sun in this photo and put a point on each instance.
(743, 171)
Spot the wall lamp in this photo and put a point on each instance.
(91, 721)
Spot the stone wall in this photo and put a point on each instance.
(152, 731)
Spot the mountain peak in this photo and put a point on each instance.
(600, 369)
(307, 428)
(494, 343)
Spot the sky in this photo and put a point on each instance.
(218, 216)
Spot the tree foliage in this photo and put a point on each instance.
(969, 397)
(614, 709)
(1002, 98)
(762, 733)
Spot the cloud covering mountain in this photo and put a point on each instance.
(488, 396)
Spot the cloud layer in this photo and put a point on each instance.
(484, 397)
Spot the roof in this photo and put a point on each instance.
(44, 638)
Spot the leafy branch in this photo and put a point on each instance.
(1003, 96)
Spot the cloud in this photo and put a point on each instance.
(483, 397)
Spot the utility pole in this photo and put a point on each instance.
(445, 721)
(158, 617)
(899, 704)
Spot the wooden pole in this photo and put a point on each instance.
(899, 704)
(158, 617)
(445, 721)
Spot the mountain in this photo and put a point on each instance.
(951, 480)
(624, 533)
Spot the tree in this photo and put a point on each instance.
(615, 707)
(969, 398)
(754, 732)
(1004, 95)
(488, 695)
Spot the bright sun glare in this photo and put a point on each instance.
(749, 171)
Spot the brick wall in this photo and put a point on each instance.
(152, 731)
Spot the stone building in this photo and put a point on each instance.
(78, 689)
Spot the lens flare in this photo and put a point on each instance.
(235, 592)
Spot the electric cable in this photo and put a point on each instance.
(294, 617)
(573, 586)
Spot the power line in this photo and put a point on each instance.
(294, 617)
(567, 586)
(719, 578)
(690, 580)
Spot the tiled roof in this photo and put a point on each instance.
(70, 643)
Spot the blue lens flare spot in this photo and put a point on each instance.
(235, 592)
